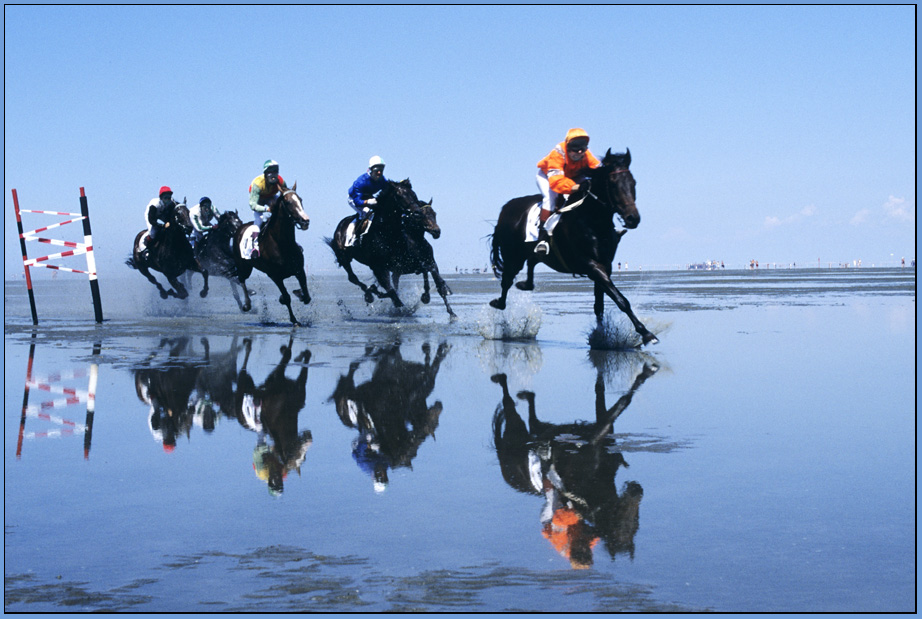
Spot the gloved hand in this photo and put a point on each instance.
(371, 201)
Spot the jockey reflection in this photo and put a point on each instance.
(573, 466)
(271, 410)
(390, 410)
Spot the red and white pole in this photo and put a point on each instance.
(25, 258)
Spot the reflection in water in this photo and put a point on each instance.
(573, 466)
(187, 390)
(271, 410)
(390, 410)
(69, 396)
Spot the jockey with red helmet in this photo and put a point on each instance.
(158, 210)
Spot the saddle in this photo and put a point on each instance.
(249, 242)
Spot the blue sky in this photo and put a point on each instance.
(776, 133)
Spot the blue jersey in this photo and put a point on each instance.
(365, 187)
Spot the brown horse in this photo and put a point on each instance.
(584, 241)
(215, 252)
(171, 255)
(280, 257)
(395, 245)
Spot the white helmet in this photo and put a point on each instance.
(375, 161)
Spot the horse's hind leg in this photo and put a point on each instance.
(529, 283)
(509, 274)
(603, 286)
(198, 267)
(426, 297)
(181, 292)
(347, 265)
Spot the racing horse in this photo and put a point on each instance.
(171, 255)
(215, 251)
(394, 245)
(584, 240)
(280, 257)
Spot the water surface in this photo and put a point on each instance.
(760, 458)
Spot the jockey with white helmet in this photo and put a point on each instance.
(363, 190)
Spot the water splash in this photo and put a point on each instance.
(613, 332)
(521, 320)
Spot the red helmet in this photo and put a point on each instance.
(164, 190)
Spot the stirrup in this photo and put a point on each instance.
(542, 248)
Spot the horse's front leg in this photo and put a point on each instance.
(603, 286)
(201, 269)
(285, 299)
(442, 287)
(426, 296)
(164, 293)
(302, 292)
(181, 292)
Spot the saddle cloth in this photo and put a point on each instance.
(533, 220)
(249, 241)
(142, 243)
(350, 234)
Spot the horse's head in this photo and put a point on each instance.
(182, 218)
(614, 185)
(430, 224)
(290, 203)
(229, 222)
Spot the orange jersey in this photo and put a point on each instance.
(560, 170)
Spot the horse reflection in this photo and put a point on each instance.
(390, 411)
(271, 410)
(168, 389)
(573, 466)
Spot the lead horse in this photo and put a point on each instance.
(280, 256)
(584, 240)
(394, 245)
(171, 255)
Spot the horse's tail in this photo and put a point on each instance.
(131, 263)
(496, 255)
(337, 250)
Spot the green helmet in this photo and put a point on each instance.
(269, 163)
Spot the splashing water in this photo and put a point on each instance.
(613, 332)
(521, 320)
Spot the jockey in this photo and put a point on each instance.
(361, 194)
(263, 191)
(157, 210)
(202, 215)
(559, 174)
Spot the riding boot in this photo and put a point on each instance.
(543, 247)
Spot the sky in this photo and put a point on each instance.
(783, 134)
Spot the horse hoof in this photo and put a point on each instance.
(526, 286)
(203, 294)
(247, 307)
(369, 298)
(649, 338)
(498, 304)
(164, 294)
(425, 298)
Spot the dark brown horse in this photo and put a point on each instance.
(573, 466)
(584, 240)
(280, 257)
(395, 245)
(215, 252)
(171, 255)
(271, 410)
(390, 411)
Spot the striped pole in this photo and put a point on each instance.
(90, 259)
(25, 258)
(25, 395)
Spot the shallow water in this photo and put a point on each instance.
(760, 458)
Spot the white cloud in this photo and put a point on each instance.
(860, 217)
(774, 222)
(897, 208)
